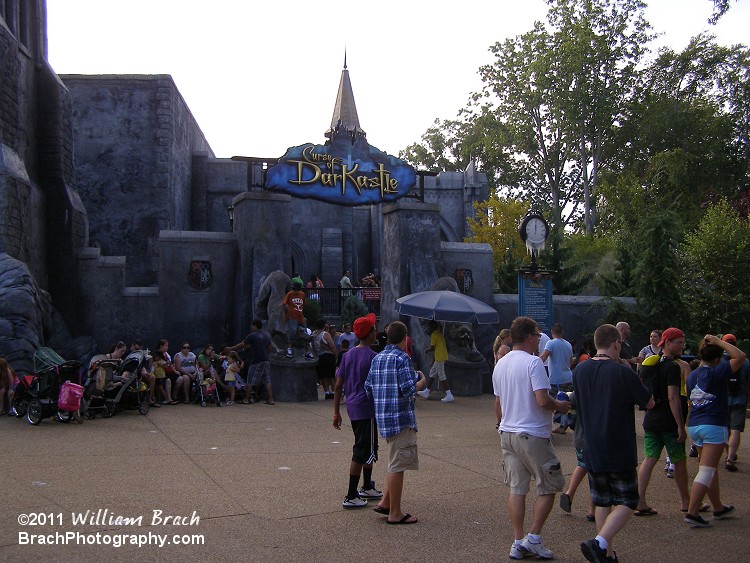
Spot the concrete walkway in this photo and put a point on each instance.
(267, 483)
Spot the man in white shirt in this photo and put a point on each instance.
(524, 408)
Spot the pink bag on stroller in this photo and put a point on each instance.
(70, 397)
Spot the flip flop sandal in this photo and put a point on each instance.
(404, 520)
(645, 512)
(381, 510)
(730, 466)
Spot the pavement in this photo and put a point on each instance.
(265, 483)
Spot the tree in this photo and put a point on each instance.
(721, 7)
(558, 91)
(497, 225)
(600, 44)
(716, 266)
(657, 270)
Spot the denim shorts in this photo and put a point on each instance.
(708, 434)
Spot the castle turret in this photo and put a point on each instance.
(345, 122)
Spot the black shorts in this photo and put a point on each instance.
(161, 381)
(614, 489)
(365, 450)
(326, 368)
(737, 417)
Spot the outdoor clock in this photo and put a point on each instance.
(534, 231)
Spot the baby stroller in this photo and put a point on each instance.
(37, 398)
(205, 389)
(113, 383)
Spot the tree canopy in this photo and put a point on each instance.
(621, 149)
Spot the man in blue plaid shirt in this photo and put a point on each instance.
(393, 384)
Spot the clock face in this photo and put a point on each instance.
(536, 231)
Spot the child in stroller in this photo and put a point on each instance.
(206, 386)
(113, 380)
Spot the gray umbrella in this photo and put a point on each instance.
(446, 306)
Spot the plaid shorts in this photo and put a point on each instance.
(614, 489)
(259, 374)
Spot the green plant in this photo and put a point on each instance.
(312, 311)
(352, 309)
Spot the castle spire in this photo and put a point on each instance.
(345, 120)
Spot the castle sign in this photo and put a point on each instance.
(363, 176)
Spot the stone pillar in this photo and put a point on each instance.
(411, 251)
(261, 223)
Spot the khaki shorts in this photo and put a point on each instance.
(402, 451)
(438, 370)
(526, 456)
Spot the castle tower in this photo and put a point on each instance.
(345, 121)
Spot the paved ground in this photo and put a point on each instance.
(267, 484)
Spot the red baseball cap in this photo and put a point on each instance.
(731, 338)
(364, 325)
(670, 334)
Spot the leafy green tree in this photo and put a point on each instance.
(716, 267)
(568, 274)
(721, 7)
(497, 225)
(557, 90)
(657, 271)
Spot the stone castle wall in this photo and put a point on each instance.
(135, 139)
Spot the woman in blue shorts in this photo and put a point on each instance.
(707, 389)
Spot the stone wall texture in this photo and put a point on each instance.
(134, 138)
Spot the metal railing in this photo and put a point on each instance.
(332, 299)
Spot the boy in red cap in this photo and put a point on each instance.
(350, 377)
(664, 425)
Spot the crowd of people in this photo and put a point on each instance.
(703, 401)
(541, 387)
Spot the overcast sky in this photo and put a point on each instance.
(262, 76)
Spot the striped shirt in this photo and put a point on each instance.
(392, 385)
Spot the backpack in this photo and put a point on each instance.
(649, 373)
(735, 383)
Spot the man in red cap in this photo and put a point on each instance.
(664, 425)
(350, 377)
(739, 389)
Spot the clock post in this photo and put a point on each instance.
(535, 285)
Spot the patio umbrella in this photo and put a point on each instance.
(446, 306)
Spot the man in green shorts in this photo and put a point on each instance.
(664, 425)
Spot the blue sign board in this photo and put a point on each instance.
(361, 175)
(535, 299)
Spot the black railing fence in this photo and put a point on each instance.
(332, 299)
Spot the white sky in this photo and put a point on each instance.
(261, 76)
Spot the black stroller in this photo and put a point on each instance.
(116, 383)
(37, 396)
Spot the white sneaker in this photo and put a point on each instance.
(536, 548)
(448, 397)
(424, 393)
(517, 552)
(370, 493)
(354, 503)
